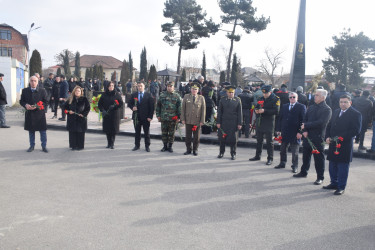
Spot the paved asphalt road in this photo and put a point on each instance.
(116, 199)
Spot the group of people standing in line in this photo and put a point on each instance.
(292, 122)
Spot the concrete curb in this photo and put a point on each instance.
(209, 141)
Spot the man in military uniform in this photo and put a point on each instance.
(193, 114)
(168, 112)
(229, 121)
(247, 102)
(267, 108)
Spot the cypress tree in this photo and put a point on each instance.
(222, 76)
(58, 72)
(131, 66)
(183, 75)
(35, 63)
(233, 75)
(143, 66)
(66, 66)
(125, 74)
(100, 73)
(114, 76)
(203, 71)
(153, 74)
(77, 68)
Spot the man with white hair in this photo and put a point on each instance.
(313, 130)
(33, 99)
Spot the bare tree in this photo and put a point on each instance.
(269, 64)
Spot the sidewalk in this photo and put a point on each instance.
(126, 128)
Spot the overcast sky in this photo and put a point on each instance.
(114, 28)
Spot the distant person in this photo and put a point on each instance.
(335, 97)
(33, 99)
(341, 130)
(63, 96)
(3, 102)
(109, 104)
(302, 98)
(77, 107)
(246, 102)
(47, 85)
(364, 106)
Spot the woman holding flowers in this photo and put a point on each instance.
(109, 104)
(77, 108)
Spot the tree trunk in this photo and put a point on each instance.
(231, 50)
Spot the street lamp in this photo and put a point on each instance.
(28, 40)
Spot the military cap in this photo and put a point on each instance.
(230, 88)
(1, 74)
(195, 86)
(266, 88)
(170, 83)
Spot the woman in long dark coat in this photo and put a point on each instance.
(77, 108)
(109, 104)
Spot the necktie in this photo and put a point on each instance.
(140, 97)
(341, 112)
(290, 107)
(193, 98)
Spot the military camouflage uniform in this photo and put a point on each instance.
(169, 106)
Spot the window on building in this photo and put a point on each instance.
(5, 35)
(5, 51)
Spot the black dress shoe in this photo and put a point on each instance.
(300, 174)
(280, 166)
(294, 170)
(147, 149)
(330, 186)
(112, 147)
(233, 157)
(339, 192)
(195, 153)
(170, 150)
(31, 149)
(220, 155)
(135, 148)
(45, 150)
(269, 162)
(255, 158)
(5, 126)
(108, 146)
(61, 119)
(187, 153)
(318, 182)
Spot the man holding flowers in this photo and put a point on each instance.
(341, 130)
(313, 130)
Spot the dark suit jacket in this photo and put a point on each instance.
(316, 120)
(145, 108)
(35, 120)
(290, 121)
(347, 126)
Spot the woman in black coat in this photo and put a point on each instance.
(77, 108)
(109, 104)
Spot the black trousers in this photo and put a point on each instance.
(62, 103)
(283, 153)
(191, 135)
(318, 158)
(233, 148)
(246, 122)
(56, 105)
(208, 114)
(111, 139)
(269, 143)
(76, 140)
(146, 131)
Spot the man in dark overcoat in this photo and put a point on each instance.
(63, 96)
(55, 95)
(229, 121)
(291, 117)
(246, 102)
(47, 85)
(266, 112)
(35, 116)
(3, 102)
(313, 130)
(143, 111)
(364, 105)
(345, 124)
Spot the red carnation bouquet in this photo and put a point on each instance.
(337, 140)
(39, 105)
(194, 128)
(279, 139)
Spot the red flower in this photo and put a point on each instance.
(117, 103)
(340, 138)
(261, 103)
(224, 135)
(96, 109)
(65, 111)
(175, 118)
(315, 151)
(194, 128)
(40, 103)
(336, 153)
(93, 101)
(338, 145)
(136, 99)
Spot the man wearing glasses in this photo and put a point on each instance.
(313, 130)
(290, 121)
